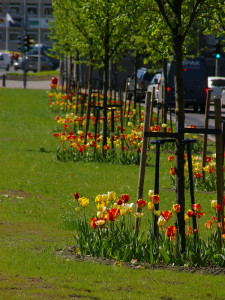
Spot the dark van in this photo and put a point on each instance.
(194, 82)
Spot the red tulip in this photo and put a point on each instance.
(141, 203)
(125, 198)
(76, 196)
(219, 208)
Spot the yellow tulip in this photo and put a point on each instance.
(213, 203)
(111, 196)
(99, 214)
(138, 215)
(100, 206)
(186, 218)
(151, 206)
(123, 211)
(150, 192)
(105, 198)
(161, 221)
(130, 208)
(98, 198)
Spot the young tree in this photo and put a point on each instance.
(180, 16)
(102, 28)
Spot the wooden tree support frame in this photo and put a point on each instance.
(168, 137)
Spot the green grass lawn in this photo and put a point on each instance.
(36, 216)
(40, 74)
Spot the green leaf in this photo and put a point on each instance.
(165, 256)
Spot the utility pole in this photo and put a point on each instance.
(39, 36)
(218, 54)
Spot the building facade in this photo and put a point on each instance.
(30, 17)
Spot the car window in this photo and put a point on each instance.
(155, 79)
(1, 57)
(140, 74)
(217, 82)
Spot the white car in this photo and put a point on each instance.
(223, 98)
(155, 82)
(4, 61)
(216, 85)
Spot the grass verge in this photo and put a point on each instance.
(35, 209)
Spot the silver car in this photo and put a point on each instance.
(143, 80)
(216, 85)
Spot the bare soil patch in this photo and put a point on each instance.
(70, 253)
(18, 194)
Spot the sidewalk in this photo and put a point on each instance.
(18, 84)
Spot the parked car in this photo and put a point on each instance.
(45, 50)
(4, 61)
(155, 83)
(194, 84)
(30, 63)
(143, 80)
(18, 64)
(216, 85)
(223, 98)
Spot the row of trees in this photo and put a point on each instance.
(98, 31)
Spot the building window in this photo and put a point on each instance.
(48, 11)
(18, 22)
(1, 35)
(32, 9)
(14, 36)
(14, 8)
(1, 12)
(46, 37)
(33, 23)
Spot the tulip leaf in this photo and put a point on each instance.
(165, 256)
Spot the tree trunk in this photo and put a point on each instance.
(165, 70)
(135, 79)
(179, 150)
(89, 100)
(77, 73)
(105, 84)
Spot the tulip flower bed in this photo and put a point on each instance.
(110, 232)
(206, 182)
(123, 145)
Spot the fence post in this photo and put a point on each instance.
(77, 95)
(152, 105)
(3, 80)
(219, 167)
(205, 135)
(125, 100)
(143, 158)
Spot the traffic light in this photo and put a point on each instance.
(20, 43)
(218, 50)
(28, 43)
(32, 42)
(2, 20)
